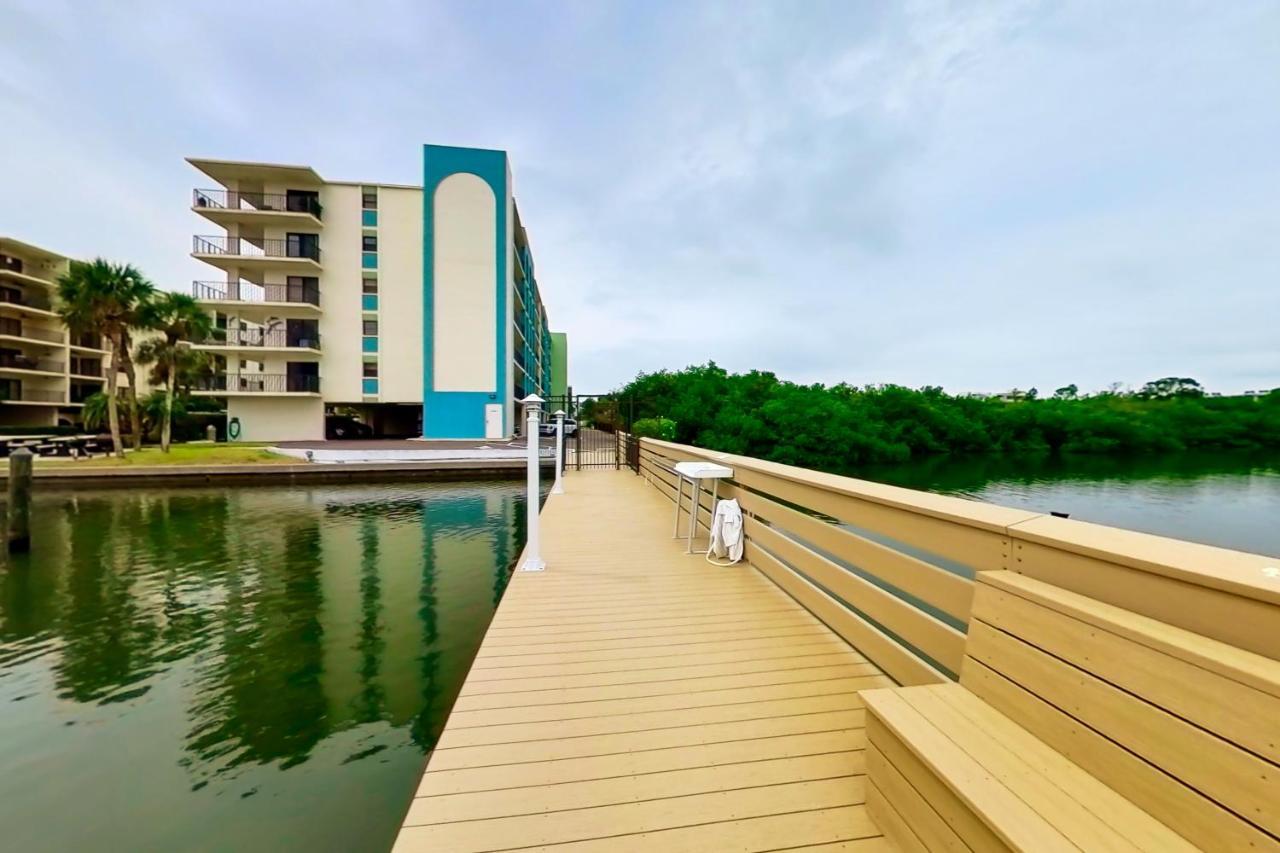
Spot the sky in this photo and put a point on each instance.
(974, 195)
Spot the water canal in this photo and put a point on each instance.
(239, 668)
(265, 668)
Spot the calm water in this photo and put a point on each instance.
(239, 669)
(1227, 499)
(265, 669)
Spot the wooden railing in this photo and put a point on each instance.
(892, 570)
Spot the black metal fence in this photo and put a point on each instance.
(595, 429)
(241, 200)
(251, 337)
(263, 383)
(203, 244)
(244, 291)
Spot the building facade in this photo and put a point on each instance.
(559, 364)
(412, 308)
(45, 373)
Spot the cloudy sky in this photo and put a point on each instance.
(973, 195)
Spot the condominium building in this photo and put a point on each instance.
(414, 308)
(45, 373)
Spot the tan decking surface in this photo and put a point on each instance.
(635, 698)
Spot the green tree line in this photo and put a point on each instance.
(842, 427)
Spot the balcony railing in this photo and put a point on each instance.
(17, 361)
(251, 201)
(256, 248)
(30, 300)
(26, 395)
(265, 338)
(262, 383)
(86, 368)
(241, 291)
(20, 330)
(87, 340)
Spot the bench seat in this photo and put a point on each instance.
(962, 776)
(1078, 725)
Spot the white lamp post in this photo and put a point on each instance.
(532, 558)
(558, 488)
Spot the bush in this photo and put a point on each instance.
(663, 428)
(840, 428)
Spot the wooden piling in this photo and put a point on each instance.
(20, 500)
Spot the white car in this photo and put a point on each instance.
(549, 427)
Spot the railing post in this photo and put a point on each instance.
(558, 488)
(532, 557)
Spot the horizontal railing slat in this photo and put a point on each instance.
(936, 639)
(881, 649)
(948, 592)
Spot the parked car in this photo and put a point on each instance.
(344, 426)
(549, 427)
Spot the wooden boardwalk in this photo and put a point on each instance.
(632, 697)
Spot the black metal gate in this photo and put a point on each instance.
(596, 429)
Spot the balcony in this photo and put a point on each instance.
(40, 272)
(16, 362)
(255, 208)
(11, 328)
(9, 394)
(301, 342)
(279, 298)
(88, 341)
(87, 369)
(256, 253)
(223, 384)
(34, 304)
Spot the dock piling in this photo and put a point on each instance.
(19, 521)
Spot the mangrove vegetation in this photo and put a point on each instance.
(843, 427)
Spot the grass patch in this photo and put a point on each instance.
(180, 454)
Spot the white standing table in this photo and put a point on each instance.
(695, 473)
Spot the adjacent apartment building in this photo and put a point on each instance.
(45, 373)
(414, 308)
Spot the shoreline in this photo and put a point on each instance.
(271, 474)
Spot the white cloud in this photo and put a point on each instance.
(979, 195)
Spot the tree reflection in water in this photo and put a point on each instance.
(279, 628)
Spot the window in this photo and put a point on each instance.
(369, 199)
(370, 285)
(370, 327)
(371, 369)
(370, 242)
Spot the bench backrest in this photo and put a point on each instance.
(1185, 726)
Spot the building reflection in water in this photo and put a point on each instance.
(269, 629)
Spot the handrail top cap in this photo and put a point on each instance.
(702, 470)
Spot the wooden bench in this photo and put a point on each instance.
(1080, 725)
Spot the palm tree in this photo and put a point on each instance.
(180, 321)
(99, 296)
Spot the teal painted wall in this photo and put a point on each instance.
(460, 414)
(559, 364)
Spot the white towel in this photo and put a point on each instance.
(726, 532)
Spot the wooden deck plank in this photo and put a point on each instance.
(592, 793)
(633, 697)
(463, 720)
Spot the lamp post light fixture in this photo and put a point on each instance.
(558, 488)
(532, 557)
